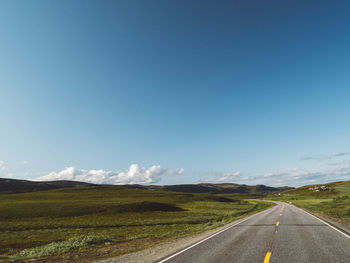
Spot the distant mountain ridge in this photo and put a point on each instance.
(225, 188)
(22, 186)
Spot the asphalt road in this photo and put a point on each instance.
(281, 234)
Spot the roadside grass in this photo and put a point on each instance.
(338, 207)
(69, 224)
(334, 203)
(60, 247)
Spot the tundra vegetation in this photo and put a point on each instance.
(88, 222)
(330, 200)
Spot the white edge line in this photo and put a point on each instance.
(324, 222)
(217, 233)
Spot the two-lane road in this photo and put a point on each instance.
(281, 234)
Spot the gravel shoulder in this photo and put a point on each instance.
(337, 223)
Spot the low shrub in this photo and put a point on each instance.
(60, 247)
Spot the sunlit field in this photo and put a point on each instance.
(335, 202)
(100, 222)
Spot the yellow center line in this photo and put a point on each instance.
(278, 222)
(267, 257)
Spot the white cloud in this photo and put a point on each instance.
(336, 154)
(25, 162)
(174, 171)
(288, 176)
(134, 175)
(235, 177)
(3, 165)
(227, 177)
(324, 156)
(297, 177)
(343, 162)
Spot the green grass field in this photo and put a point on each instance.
(334, 203)
(71, 225)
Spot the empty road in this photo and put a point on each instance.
(281, 234)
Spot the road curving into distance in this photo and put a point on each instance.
(280, 234)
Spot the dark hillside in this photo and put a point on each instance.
(22, 186)
(223, 188)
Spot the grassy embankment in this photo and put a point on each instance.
(333, 203)
(71, 225)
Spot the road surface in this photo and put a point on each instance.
(281, 234)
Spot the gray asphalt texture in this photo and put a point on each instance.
(298, 238)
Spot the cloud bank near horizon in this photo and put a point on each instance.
(289, 176)
(331, 171)
(330, 168)
(134, 175)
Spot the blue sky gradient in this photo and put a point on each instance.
(217, 88)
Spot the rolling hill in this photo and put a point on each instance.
(330, 200)
(222, 188)
(21, 186)
(330, 190)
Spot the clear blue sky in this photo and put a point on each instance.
(243, 89)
